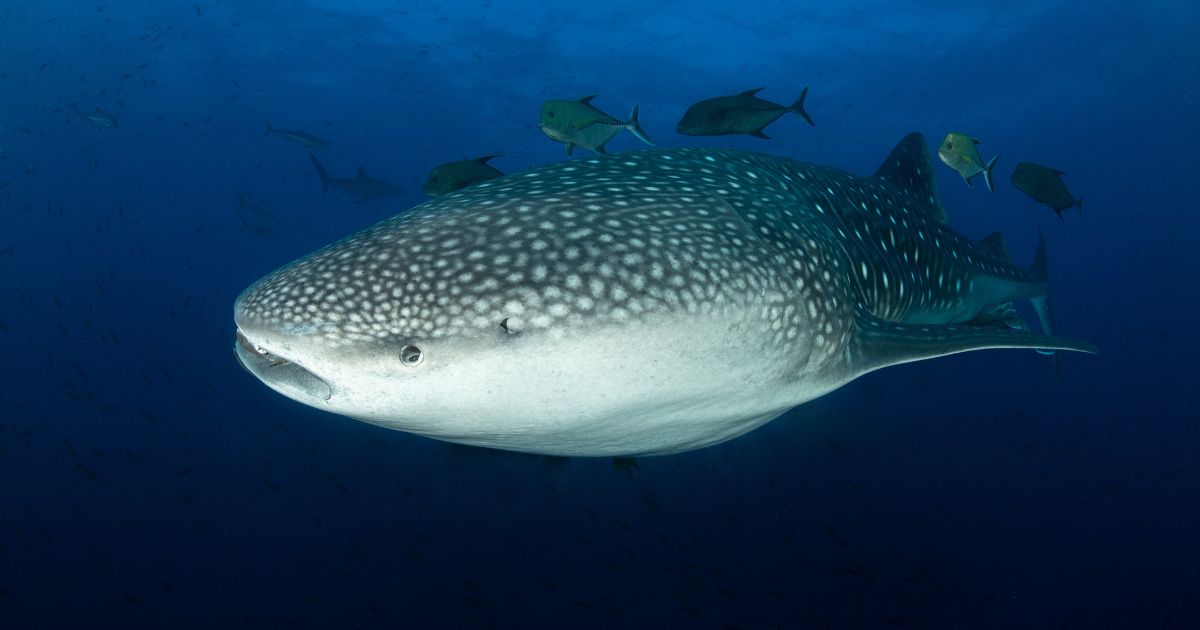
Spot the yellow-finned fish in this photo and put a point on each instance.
(959, 153)
(579, 123)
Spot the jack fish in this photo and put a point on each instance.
(1044, 185)
(742, 113)
(579, 123)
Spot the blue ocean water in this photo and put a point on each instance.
(147, 480)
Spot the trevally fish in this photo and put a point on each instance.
(742, 113)
(245, 206)
(959, 153)
(579, 123)
(99, 117)
(452, 176)
(295, 136)
(362, 185)
(1042, 183)
(640, 303)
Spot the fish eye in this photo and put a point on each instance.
(550, 114)
(411, 356)
(949, 145)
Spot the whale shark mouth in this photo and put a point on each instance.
(280, 373)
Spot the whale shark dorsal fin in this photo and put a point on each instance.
(994, 243)
(908, 168)
(879, 343)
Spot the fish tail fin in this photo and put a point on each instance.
(987, 174)
(324, 174)
(1079, 204)
(635, 127)
(798, 107)
(1042, 304)
(267, 131)
(242, 202)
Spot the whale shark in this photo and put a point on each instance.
(638, 303)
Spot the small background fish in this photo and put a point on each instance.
(295, 136)
(99, 118)
(1045, 185)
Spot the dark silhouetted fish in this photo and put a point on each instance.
(1044, 185)
(99, 117)
(249, 207)
(297, 136)
(362, 185)
(743, 113)
(453, 176)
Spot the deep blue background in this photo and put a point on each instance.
(968, 491)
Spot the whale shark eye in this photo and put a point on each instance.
(411, 356)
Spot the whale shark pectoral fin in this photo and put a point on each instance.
(880, 343)
(1003, 315)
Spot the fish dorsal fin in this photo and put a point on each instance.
(751, 92)
(1057, 173)
(908, 168)
(483, 159)
(994, 243)
(587, 100)
(362, 172)
(976, 141)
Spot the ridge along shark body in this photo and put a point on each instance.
(641, 303)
